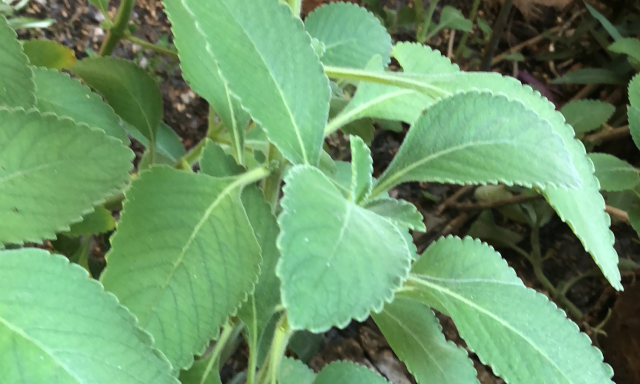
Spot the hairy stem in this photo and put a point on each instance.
(118, 29)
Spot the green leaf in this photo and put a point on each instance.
(255, 60)
(492, 193)
(516, 146)
(63, 95)
(587, 115)
(634, 124)
(629, 46)
(98, 221)
(129, 89)
(53, 171)
(634, 91)
(16, 78)
(215, 162)
(415, 335)
(486, 229)
(452, 18)
(59, 326)
(419, 58)
(49, 54)
(182, 260)
(614, 174)
(351, 35)
(340, 246)
(101, 5)
(634, 220)
(523, 336)
(201, 373)
(362, 128)
(613, 32)
(591, 76)
(294, 371)
(400, 212)
(361, 169)
(346, 372)
(168, 143)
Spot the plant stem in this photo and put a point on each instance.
(608, 134)
(227, 330)
(118, 29)
(253, 344)
(496, 34)
(418, 5)
(148, 45)
(271, 185)
(465, 37)
(278, 346)
(421, 34)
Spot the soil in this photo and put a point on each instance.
(78, 27)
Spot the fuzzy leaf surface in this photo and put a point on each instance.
(49, 54)
(63, 95)
(614, 174)
(288, 98)
(523, 336)
(419, 58)
(98, 221)
(634, 124)
(629, 46)
(353, 258)
(215, 162)
(16, 78)
(400, 212)
(57, 325)
(415, 335)
(351, 35)
(52, 172)
(294, 371)
(183, 258)
(361, 169)
(346, 372)
(587, 115)
(516, 146)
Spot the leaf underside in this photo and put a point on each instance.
(614, 174)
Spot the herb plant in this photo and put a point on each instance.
(215, 253)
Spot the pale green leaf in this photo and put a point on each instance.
(98, 221)
(415, 335)
(63, 95)
(454, 19)
(634, 124)
(53, 171)
(339, 261)
(591, 76)
(419, 58)
(523, 336)
(614, 174)
(362, 128)
(629, 46)
(634, 91)
(183, 258)
(16, 78)
(129, 89)
(516, 146)
(361, 169)
(49, 54)
(346, 372)
(351, 35)
(215, 162)
(318, 47)
(587, 115)
(294, 371)
(57, 325)
(102, 5)
(289, 98)
(613, 32)
(400, 212)
(203, 371)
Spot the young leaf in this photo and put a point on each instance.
(294, 371)
(629, 46)
(57, 92)
(289, 98)
(400, 212)
(214, 162)
(351, 35)
(516, 146)
(168, 143)
(419, 58)
(183, 258)
(48, 54)
(98, 221)
(58, 326)
(415, 335)
(53, 171)
(16, 78)
(614, 174)
(361, 169)
(587, 115)
(346, 372)
(353, 258)
(523, 336)
(129, 89)
(453, 18)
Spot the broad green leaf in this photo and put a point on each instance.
(614, 174)
(63, 95)
(182, 260)
(634, 124)
(288, 98)
(516, 146)
(523, 336)
(400, 212)
(57, 325)
(351, 35)
(362, 128)
(591, 76)
(353, 258)
(294, 371)
(346, 372)
(203, 371)
(52, 172)
(415, 335)
(202, 72)
(318, 47)
(486, 229)
(361, 169)
(419, 58)
(454, 19)
(306, 345)
(98, 221)
(16, 78)
(634, 91)
(48, 54)
(168, 143)
(587, 115)
(129, 89)
(629, 46)
(215, 162)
